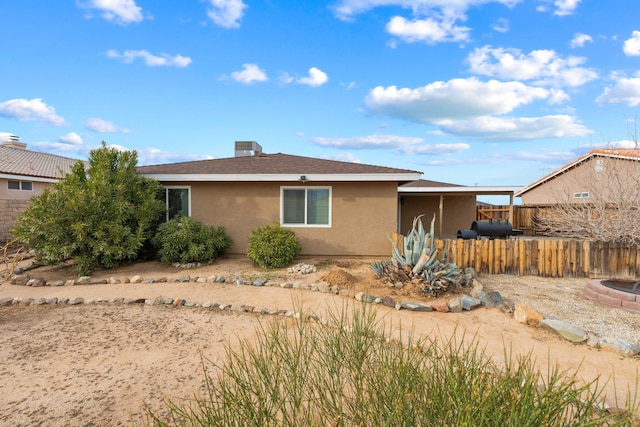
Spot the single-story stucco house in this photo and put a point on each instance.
(335, 208)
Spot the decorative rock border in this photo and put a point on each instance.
(477, 299)
(596, 291)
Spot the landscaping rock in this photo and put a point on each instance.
(565, 330)
(5, 302)
(455, 305)
(491, 299)
(415, 306)
(83, 280)
(477, 290)
(527, 315)
(469, 303)
(97, 282)
(113, 280)
(19, 279)
(183, 278)
(136, 279)
(259, 282)
(70, 282)
(323, 287)
(388, 302)
(76, 301)
(302, 268)
(616, 346)
(440, 306)
(57, 283)
(39, 282)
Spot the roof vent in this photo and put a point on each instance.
(11, 140)
(247, 148)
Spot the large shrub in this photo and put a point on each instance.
(273, 246)
(185, 240)
(101, 217)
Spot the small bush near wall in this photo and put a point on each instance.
(273, 246)
(186, 240)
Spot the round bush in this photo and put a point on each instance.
(273, 246)
(185, 240)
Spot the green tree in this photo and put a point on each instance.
(101, 217)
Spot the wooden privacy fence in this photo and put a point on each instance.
(546, 258)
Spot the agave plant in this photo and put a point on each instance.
(417, 260)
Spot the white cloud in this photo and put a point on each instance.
(250, 73)
(501, 25)
(63, 147)
(347, 9)
(150, 155)
(367, 142)
(631, 46)
(316, 78)
(428, 30)
(104, 126)
(543, 67)
(71, 138)
(624, 91)
(30, 110)
(565, 7)
(516, 128)
(164, 60)
(455, 99)
(119, 11)
(579, 40)
(435, 149)
(402, 144)
(226, 13)
(342, 157)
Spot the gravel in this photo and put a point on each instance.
(562, 299)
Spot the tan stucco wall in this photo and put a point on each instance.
(12, 203)
(363, 214)
(459, 211)
(591, 176)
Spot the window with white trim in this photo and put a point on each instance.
(583, 195)
(305, 206)
(20, 185)
(178, 200)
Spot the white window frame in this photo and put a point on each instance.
(311, 187)
(20, 185)
(176, 187)
(581, 195)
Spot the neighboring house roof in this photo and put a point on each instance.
(615, 153)
(274, 167)
(19, 163)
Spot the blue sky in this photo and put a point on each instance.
(471, 92)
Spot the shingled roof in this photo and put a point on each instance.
(33, 164)
(632, 154)
(274, 167)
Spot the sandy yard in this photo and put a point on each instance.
(100, 364)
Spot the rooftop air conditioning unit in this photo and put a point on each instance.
(247, 148)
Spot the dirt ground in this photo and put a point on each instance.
(101, 364)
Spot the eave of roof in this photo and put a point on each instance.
(624, 154)
(485, 190)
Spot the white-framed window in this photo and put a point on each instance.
(178, 200)
(581, 195)
(305, 206)
(20, 185)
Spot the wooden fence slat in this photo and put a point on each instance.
(546, 258)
